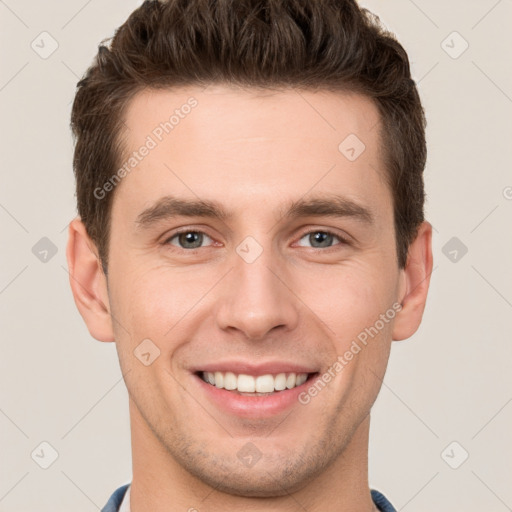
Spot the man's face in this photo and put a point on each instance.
(258, 292)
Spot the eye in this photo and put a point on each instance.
(323, 238)
(188, 239)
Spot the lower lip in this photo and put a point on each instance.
(253, 406)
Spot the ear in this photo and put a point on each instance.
(88, 282)
(415, 282)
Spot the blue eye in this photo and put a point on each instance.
(188, 239)
(323, 238)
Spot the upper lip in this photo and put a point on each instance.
(248, 368)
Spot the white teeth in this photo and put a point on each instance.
(290, 381)
(264, 384)
(219, 379)
(230, 381)
(248, 384)
(280, 382)
(301, 378)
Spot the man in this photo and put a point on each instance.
(251, 236)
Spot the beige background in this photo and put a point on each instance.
(451, 382)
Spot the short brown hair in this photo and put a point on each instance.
(270, 44)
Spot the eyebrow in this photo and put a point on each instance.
(168, 207)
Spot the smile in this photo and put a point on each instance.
(254, 385)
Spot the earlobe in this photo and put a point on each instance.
(415, 284)
(88, 282)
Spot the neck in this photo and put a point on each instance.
(161, 484)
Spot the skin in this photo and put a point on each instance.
(300, 302)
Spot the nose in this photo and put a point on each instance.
(257, 297)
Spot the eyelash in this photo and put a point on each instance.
(343, 240)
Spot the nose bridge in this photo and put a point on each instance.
(254, 299)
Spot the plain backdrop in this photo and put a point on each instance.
(440, 434)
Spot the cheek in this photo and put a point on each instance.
(151, 309)
(348, 298)
(351, 301)
(159, 302)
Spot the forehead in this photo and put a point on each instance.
(250, 145)
(233, 113)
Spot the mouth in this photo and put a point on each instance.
(255, 385)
